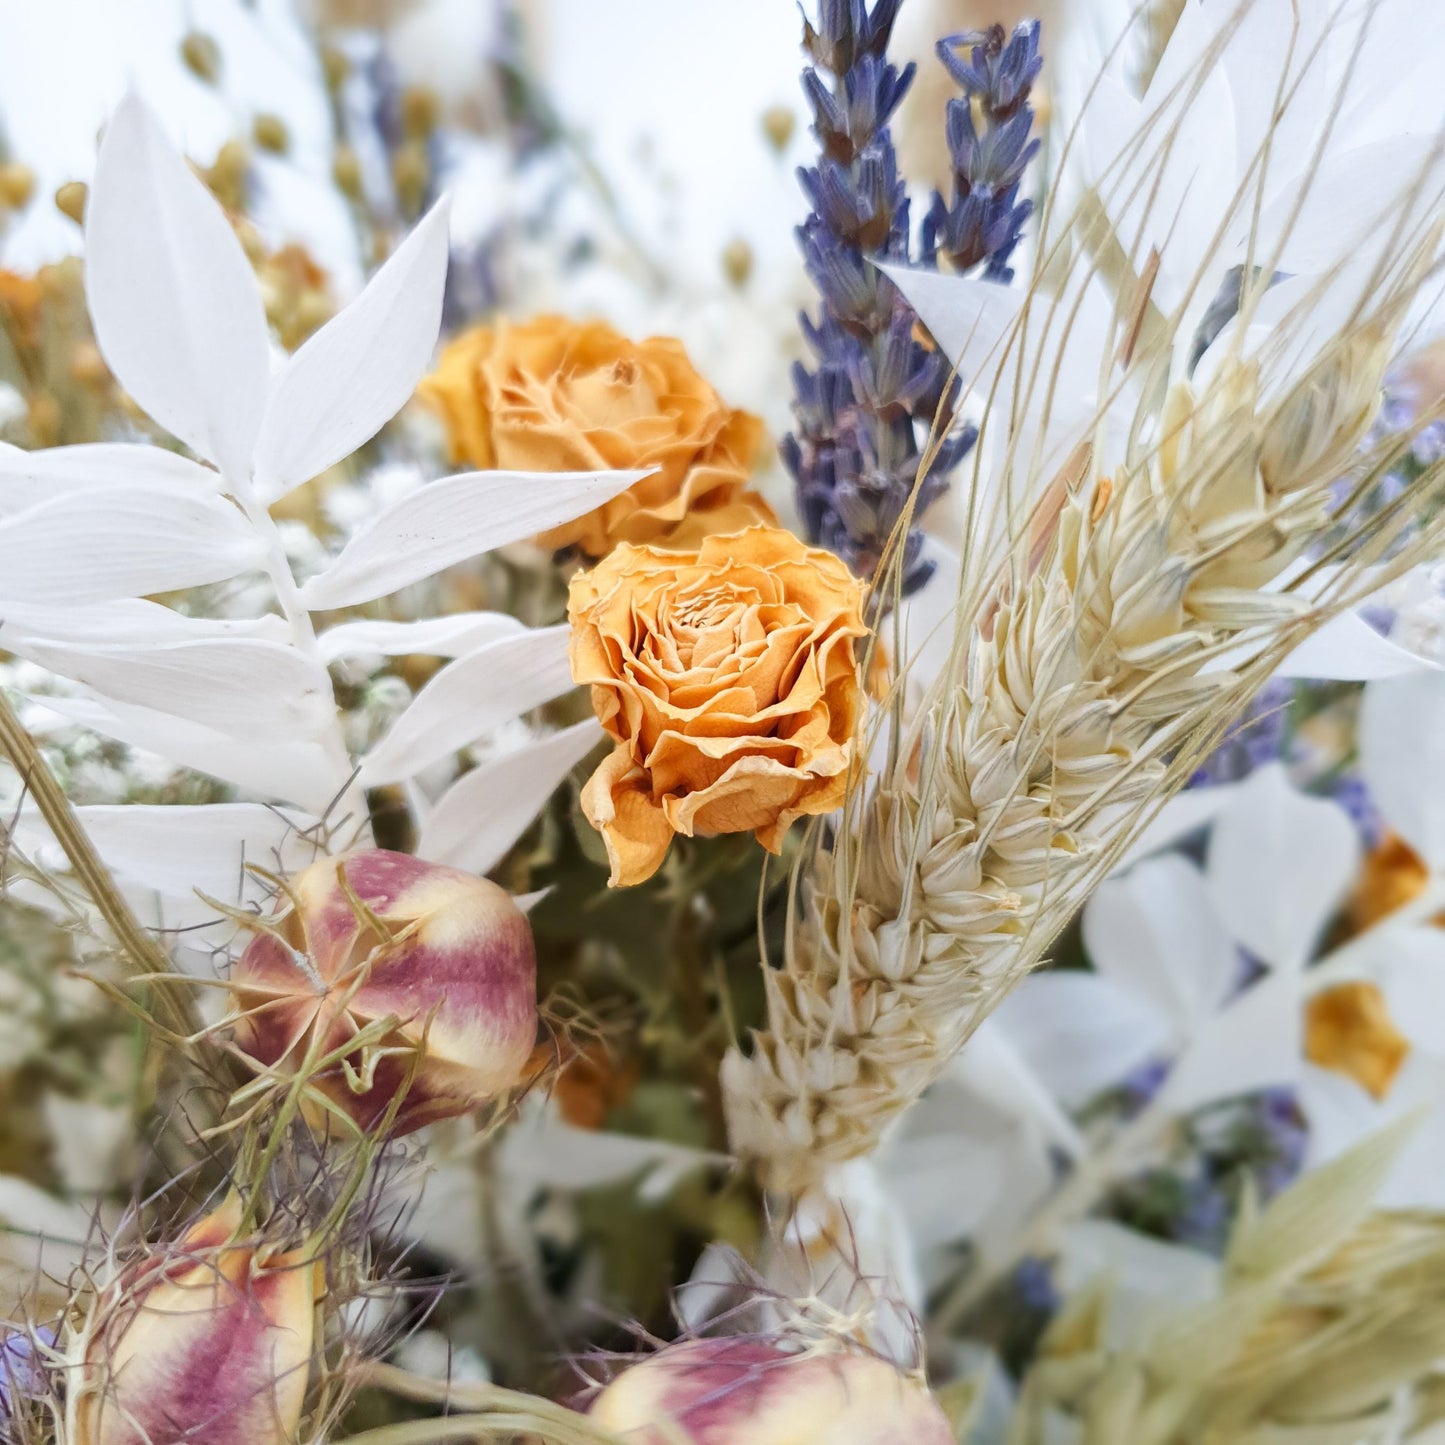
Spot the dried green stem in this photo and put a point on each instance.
(496, 1411)
(143, 956)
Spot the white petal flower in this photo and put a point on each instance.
(1341, 1113)
(1165, 941)
(1279, 866)
(1402, 758)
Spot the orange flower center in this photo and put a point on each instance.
(1348, 1029)
(1393, 875)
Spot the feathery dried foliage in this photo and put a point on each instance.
(1128, 584)
(1327, 1319)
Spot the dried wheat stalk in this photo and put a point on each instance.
(1074, 704)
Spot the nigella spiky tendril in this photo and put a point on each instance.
(991, 142)
(865, 411)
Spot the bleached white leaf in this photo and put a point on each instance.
(993, 1070)
(1081, 1032)
(1157, 933)
(123, 542)
(241, 686)
(546, 1151)
(1172, 192)
(1402, 758)
(1149, 1279)
(175, 304)
(304, 773)
(1256, 1042)
(1033, 358)
(28, 477)
(350, 378)
(1279, 864)
(1183, 814)
(1408, 964)
(963, 1181)
(447, 521)
(1353, 207)
(1348, 649)
(450, 636)
(130, 620)
(484, 812)
(179, 849)
(978, 1149)
(969, 319)
(1275, 63)
(994, 1077)
(470, 697)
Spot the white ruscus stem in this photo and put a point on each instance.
(349, 811)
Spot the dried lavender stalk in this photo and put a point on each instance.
(865, 410)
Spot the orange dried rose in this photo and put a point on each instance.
(553, 395)
(728, 678)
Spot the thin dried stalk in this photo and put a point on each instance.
(498, 1413)
(143, 957)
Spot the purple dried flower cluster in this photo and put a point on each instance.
(864, 411)
(990, 153)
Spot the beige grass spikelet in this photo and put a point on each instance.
(1330, 1337)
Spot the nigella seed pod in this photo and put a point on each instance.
(376, 935)
(742, 1391)
(209, 1341)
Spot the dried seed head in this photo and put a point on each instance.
(70, 200)
(779, 122)
(739, 1391)
(271, 134)
(411, 173)
(346, 172)
(737, 262)
(430, 970)
(202, 56)
(1316, 429)
(208, 1340)
(420, 108)
(17, 185)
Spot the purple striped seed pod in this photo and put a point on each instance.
(737, 1391)
(210, 1340)
(448, 955)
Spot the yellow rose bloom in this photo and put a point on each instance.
(554, 395)
(728, 679)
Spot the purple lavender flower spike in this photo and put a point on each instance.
(984, 223)
(865, 409)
